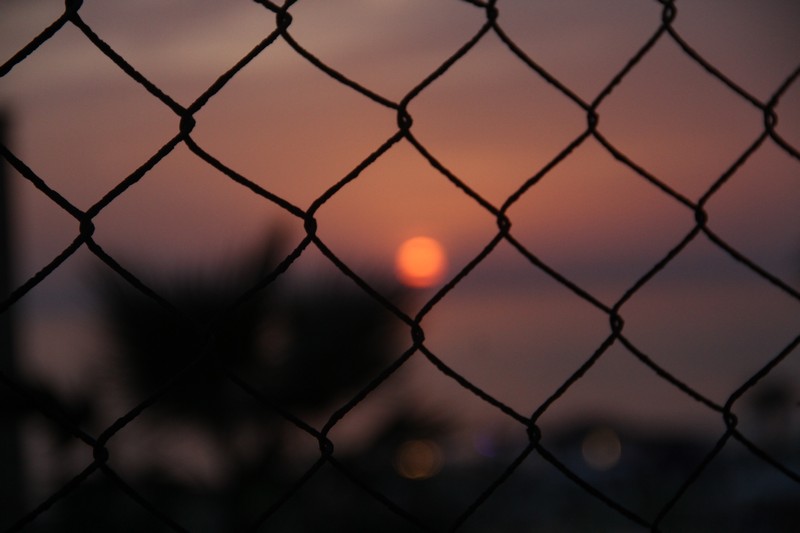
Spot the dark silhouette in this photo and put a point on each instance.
(233, 379)
(10, 410)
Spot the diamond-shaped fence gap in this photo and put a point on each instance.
(290, 128)
(750, 45)
(480, 139)
(750, 213)
(694, 126)
(597, 222)
(154, 39)
(386, 47)
(587, 64)
(85, 143)
(518, 347)
(764, 496)
(705, 312)
(406, 424)
(621, 426)
(397, 197)
(443, 450)
(426, 425)
(184, 209)
(415, 450)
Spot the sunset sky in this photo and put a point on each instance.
(83, 125)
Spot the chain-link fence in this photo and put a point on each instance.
(508, 495)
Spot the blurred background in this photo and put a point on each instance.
(311, 339)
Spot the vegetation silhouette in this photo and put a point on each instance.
(232, 379)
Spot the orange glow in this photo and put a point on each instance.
(420, 262)
(418, 459)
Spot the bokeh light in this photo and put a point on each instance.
(602, 449)
(418, 459)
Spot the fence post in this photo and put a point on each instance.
(11, 489)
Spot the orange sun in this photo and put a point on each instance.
(420, 262)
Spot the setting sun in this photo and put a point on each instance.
(420, 262)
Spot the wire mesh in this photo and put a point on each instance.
(614, 311)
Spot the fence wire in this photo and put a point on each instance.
(103, 460)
